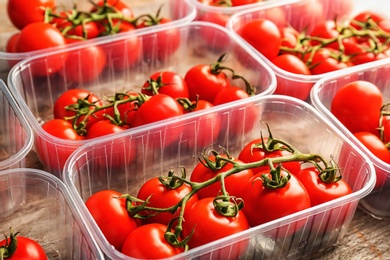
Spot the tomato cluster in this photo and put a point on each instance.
(43, 25)
(20, 247)
(224, 195)
(359, 105)
(329, 46)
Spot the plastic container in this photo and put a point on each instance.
(47, 215)
(302, 15)
(16, 136)
(94, 167)
(180, 12)
(36, 95)
(377, 203)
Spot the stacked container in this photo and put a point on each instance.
(156, 149)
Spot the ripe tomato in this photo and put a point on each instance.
(70, 28)
(39, 36)
(102, 128)
(326, 60)
(289, 37)
(163, 195)
(166, 82)
(270, 41)
(111, 216)
(71, 97)
(357, 105)
(62, 129)
(26, 248)
(277, 202)
(84, 64)
(22, 13)
(204, 81)
(375, 145)
(363, 52)
(254, 152)
(320, 191)
(293, 64)
(148, 242)
(156, 108)
(11, 43)
(243, 2)
(234, 183)
(385, 128)
(204, 218)
(230, 94)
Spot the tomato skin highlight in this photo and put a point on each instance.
(357, 106)
(111, 216)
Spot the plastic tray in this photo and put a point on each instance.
(16, 136)
(94, 167)
(47, 214)
(36, 95)
(179, 12)
(299, 85)
(378, 202)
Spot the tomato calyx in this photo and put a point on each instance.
(147, 20)
(276, 181)
(170, 181)
(10, 246)
(228, 206)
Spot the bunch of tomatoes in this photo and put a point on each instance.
(42, 25)
(359, 105)
(328, 46)
(224, 194)
(21, 247)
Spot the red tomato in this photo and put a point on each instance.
(205, 81)
(111, 216)
(363, 52)
(166, 82)
(71, 97)
(366, 19)
(320, 191)
(113, 6)
(62, 129)
(285, 86)
(11, 43)
(289, 37)
(102, 128)
(204, 218)
(357, 105)
(26, 248)
(253, 152)
(156, 108)
(375, 145)
(22, 13)
(163, 195)
(325, 60)
(270, 38)
(148, 242)
(84, 64)
(229, 94)
(243, 2)
(277, 202)
(234, 183)
(385, 128)
(39, 36)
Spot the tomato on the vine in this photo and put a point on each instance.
(326, 60)
(166, 82)
(163, 194)
(357, 106)
(20, 247)
(104, 127)
(148, 242)
(109, 211)
(21, 12)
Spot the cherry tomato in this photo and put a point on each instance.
(39, 36)
(205, 82)
(370, 21)
(166, 82)
(110, 213)
(363, 52)
(87, 30)
(102, 128)
(26, 248)
(11, 43)
(163, 195)
(84, 64)
(270, 41)
(289, 37)
(204, 218)
(326, 60)
(357, 106)
(254, 152)
(230, 94)
(319, 190)
(277, 202)
(243, 2)
(385, 123)
(71, 97)
(62, 129)
(234, 183)
(21, 12)
(148, 242)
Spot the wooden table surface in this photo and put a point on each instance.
(367, 238)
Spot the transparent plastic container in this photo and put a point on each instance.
(157, 149)
(301, 15)
(36, 95)
(377, 203)
(47, 215)
(16, 136)
(180, 12)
